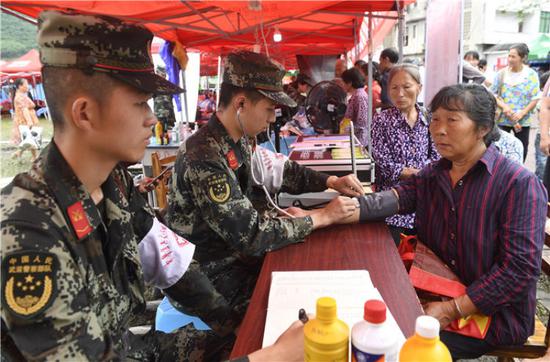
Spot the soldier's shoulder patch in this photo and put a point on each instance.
(219, 188)
(28, 282)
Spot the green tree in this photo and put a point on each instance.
(16, 36)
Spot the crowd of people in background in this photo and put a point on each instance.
(517, 88)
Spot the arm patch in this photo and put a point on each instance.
(28, 282)
(219, 188)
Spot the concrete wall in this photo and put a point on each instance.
(485, 24)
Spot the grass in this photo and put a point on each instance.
(10, 167)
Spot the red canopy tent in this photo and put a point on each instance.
(27, 66)
(217, 27)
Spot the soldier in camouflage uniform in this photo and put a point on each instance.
(164, 109)
(75, 231)
(212, 199)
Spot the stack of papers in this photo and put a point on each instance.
(291, 291)
(345, 153)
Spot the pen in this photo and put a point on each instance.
(302, 315)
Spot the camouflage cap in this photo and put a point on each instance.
(251, 70)
(101, 43)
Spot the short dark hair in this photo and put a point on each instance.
(473, 99)
(472, 53)
(18, 82)
(229, 91)
(60, 83)
(522, 49)
(391, 54)
(303, 79)
(353, 76)
(375, 72)
(482, 63)
(360, 63)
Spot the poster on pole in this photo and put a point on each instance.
(443, 45)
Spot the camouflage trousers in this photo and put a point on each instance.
(184, 344)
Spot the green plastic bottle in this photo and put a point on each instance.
(326, 337)
(425, 345)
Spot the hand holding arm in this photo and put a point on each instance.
(337, 211)
(518, 116)
(348, 185)
(448, 311)
(505, 108)
(444, 312)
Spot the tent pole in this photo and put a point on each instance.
(184, 94)
(34, 94)
(355, 45)
(370, 102)
(181, 99)
(461, 43)
(400, 28)
(219, 81)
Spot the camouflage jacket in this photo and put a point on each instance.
(164, 110)
(71, 273)
(213, 203)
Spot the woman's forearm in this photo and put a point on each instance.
(501, 103)
(529, 107)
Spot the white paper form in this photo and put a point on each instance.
(291, 291)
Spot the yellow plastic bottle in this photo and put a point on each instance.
(344, 126)
(326, 337)
(425, 345)
(159, 132)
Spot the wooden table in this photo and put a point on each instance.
(367, 246)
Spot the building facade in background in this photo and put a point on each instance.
(490, 27)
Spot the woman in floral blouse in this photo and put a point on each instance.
(401, 144)
(517, 90)
(358, 104)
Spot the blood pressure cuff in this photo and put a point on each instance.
(165, 256)
(268, 168)
(378, 206)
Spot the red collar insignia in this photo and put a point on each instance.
(79, 219)
(232, 159)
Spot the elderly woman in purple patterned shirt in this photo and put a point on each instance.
(358, 104)
(401, 143)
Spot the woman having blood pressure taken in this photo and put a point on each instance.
(480, 213)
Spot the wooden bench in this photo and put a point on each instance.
(536, 345)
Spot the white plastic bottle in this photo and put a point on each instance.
(372, 339)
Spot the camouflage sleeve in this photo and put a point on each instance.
(194, 294)
(142, 212)
(298, 179)
(45, 305)
(231, 215)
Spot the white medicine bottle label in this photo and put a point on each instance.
(360, 356)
